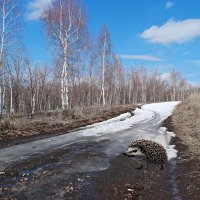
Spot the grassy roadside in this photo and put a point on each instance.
(185, 122)
(18, 128)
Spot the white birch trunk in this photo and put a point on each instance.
(33, 104)
(11, 96)
(130, 90)
(64, 82)
(2, 61)
(103, 70)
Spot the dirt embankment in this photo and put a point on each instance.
(17, 129)
(185, 122)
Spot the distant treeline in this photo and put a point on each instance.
(85, 72)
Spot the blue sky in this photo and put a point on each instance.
(157, 34)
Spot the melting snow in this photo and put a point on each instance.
(165, 109)
(115, 128)
(120, 123)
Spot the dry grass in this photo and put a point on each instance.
(186, 121)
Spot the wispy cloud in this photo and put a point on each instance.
(169, 4)
(140, 57)
(173, 32)
(36, 8)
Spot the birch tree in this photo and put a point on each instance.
(31, 82)
(174, 78)
(8, 28)
(104, 53)
(143, 80)
(117, 78)
(65, 24)
(16, 70)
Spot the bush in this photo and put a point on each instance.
(5, 125)
(73, 113)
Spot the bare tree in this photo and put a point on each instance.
(175, 77)
(104, 54)
(8, 28)
(65, 23)
(117, 79)
(143, 80)
(31, 84)
(16, 69)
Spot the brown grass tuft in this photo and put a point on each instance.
(186, 121)
(73, 113)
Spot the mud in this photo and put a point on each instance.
(75, 173)
(188, 172)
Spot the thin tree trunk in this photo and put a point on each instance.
(11, 96)
(103, 70)
(2, 62)
(33, 103)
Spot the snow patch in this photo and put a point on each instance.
(117, 129)
(165, 109)
(117, 124)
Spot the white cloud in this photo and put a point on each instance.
(169, 4)
(36, 8)
(173, 32)
(140, 57)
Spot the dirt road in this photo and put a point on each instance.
(84, 165)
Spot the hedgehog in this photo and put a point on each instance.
(147, 150)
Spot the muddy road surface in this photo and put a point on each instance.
(88, 164)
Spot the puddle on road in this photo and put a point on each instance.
(85, 157)
(78, 158)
